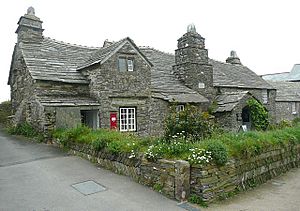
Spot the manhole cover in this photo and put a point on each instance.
(88, 187)
(188, 206)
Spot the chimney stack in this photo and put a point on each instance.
(30, 27)
(233, 59)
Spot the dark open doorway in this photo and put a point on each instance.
(90, 118)
(246, 117)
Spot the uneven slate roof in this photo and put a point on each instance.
(55, 61)
(231, 75)
(164, 84)
(276, 76)
(67, 101)
(228, 101)
(287, 91)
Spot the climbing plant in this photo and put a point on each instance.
(259, 115)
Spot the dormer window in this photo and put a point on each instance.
(125, 64)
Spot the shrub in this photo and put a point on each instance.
(192, 122)
(5, 112)
(24, 129)
(219, 152)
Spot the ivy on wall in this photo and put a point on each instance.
(259, 115)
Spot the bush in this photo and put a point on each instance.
(25, 129)
(192, 122)
(218, 151)
(5, 112)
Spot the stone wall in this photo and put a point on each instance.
(284, 111)
(177, 179)
(171, 178)
(212, 182)
(115, 89)
(258, 93)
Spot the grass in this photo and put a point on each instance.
(222, 146)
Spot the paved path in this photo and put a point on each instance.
(38, 177)
(280, 194)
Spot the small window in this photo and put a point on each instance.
(125, 64)
(127, 119)
(180, 108)
(130, 65)
(294, 111)
(265, 96)
(122, 65)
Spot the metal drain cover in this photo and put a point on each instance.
(188, 206)
(88, 187)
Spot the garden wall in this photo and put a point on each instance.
(212, 182)
(177, 179)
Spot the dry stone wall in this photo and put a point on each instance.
(177, 179)
(212, 182)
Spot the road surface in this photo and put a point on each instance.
(39, 177)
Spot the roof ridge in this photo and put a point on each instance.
(152, 48)
(72, 44)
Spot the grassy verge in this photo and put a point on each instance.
(219, 148)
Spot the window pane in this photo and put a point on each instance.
(122, 65)
(130, 64)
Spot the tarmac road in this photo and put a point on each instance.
(39, 177)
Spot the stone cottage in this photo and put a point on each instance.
(288, 93)
(122, 86)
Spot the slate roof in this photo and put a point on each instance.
(294, 74)
(55, 61)
(67, 101)
(287, 91)
(58, 61)
(232, 75)
(228, 101)
(105, 52)
(164, 84)
(276, 76)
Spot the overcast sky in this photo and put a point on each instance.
(264, 33)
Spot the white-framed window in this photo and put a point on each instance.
(127, 119)
(180, 108)
(125, 64)
(130, 65)
(265, 96)
(294, 108)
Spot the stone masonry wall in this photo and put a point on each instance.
(284, 111)
(171, 178)
(257, 93)
(212, 182)
(177, 179)
(115, 89)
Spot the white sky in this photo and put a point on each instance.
(264, 33)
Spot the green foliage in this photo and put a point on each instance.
(218, 151)
(5, 112)
(158, 187)
(193, 123)
(114, 141)
(195, 199)
(259, 115)
(24, 129)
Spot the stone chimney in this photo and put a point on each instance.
(192, 66)
(233, 59)
(30, 27)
